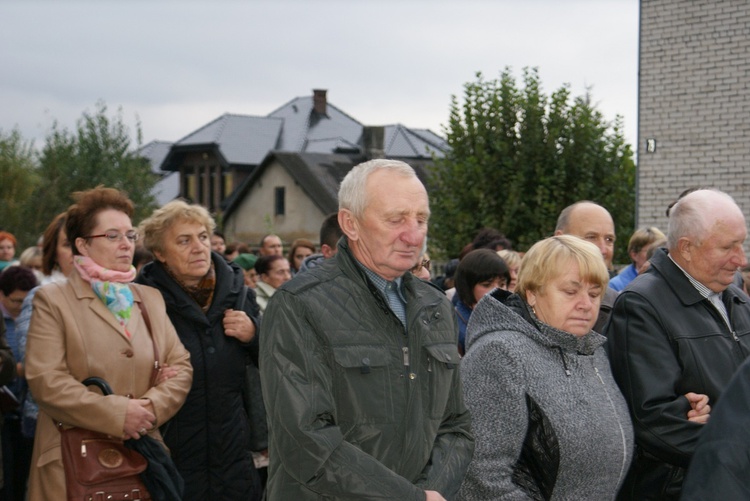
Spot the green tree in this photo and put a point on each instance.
(518, 157)
(99, 152)
(17, 172)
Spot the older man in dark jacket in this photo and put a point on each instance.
(359, 360)
(677, 334)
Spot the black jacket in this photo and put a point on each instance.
(666, 340)
(208, 437)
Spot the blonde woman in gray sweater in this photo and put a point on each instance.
(549, 420)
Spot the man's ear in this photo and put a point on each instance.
(348, 224)
(326, 250)
(685, 248)
(558, 232)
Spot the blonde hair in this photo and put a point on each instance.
(153, 228)
(549, 258)
(644, 237)
(511, 258)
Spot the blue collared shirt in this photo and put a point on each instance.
(392, 292)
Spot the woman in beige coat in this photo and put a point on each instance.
(92, 325)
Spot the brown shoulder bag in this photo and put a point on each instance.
(99, 467)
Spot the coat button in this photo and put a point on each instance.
(211, 349)
(128, 353)
(412, 375)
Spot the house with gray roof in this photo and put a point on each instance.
(168, 186)
(290, 194)
(219, 165)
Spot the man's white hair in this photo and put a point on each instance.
(693, 215)
(352, 192)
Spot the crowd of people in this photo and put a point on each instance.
(346, 370)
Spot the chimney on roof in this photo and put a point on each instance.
(320, 103)
(373, 141)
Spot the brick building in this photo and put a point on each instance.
(694, 102)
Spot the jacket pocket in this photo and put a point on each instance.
(442, 362)
(362, 384)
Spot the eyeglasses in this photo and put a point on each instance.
(424, 264)
(116, 236)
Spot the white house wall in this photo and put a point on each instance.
(255, 218)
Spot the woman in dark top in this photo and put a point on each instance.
(215, 316)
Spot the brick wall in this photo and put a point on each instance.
(694, 101)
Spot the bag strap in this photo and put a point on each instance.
(147, 319)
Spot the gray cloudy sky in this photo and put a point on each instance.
(177, 65)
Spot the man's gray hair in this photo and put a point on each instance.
(693, 214)
(352, 193)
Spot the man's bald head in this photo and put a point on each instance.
(592, 222)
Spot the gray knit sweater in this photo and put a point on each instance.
(512, 360)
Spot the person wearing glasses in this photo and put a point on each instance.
(216, 317)
(99, 324)
(422, 268)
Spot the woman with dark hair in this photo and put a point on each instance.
(273, 272)
(15, 284)
(301, 248)
(57, 263)
(94, 325)
(479, 272)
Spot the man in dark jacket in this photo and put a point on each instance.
(677, 334)
(359, 360)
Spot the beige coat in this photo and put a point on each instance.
(73, 336)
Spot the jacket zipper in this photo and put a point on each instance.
(619, 424)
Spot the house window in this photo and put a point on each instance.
(279, 201)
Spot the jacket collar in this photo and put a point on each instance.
(678, 282)
(85, 294)
(229, 283)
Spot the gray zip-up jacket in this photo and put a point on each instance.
(549, 420)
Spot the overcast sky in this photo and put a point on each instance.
(177, 65)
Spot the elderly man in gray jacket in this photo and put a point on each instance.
(359, 360)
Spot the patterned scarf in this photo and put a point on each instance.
(110, 286)
(203, 293)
